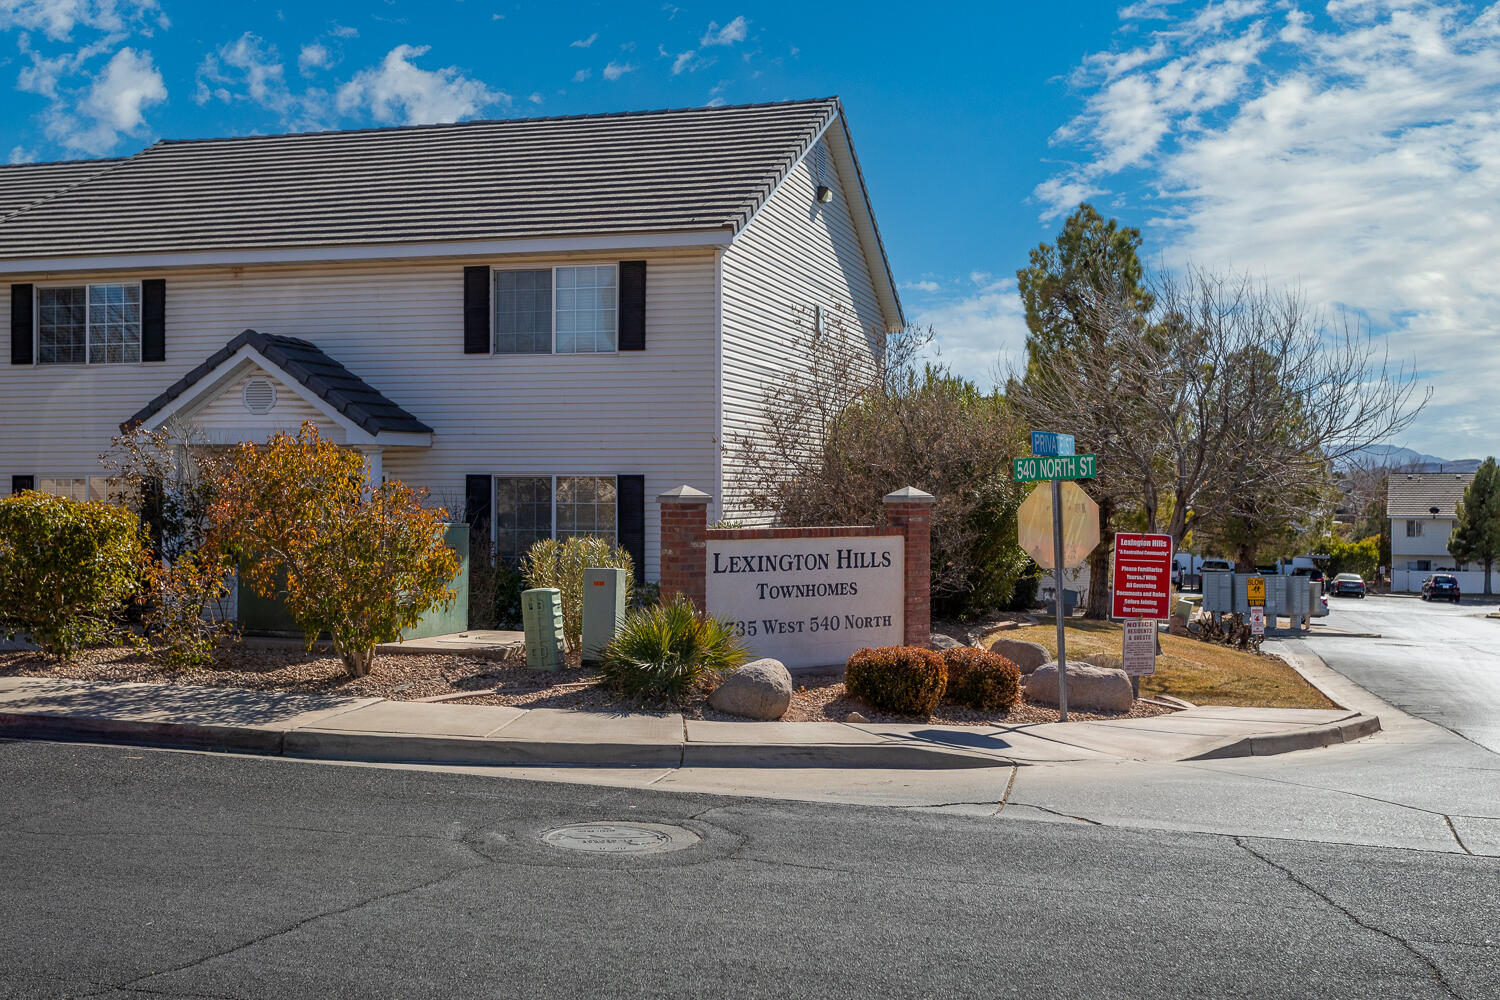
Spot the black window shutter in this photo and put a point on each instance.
(154, 512)
(20, 324)
(477, 492)
(630, 520)
(19, 483)
(154, 320)
(632, 305)
(477, 310)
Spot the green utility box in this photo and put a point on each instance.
(603, 610)
(269, 616)
(541, 615)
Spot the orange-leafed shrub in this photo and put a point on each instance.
(981, 679)
(902, 679)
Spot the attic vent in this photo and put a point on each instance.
(817, 163)
(259, 395)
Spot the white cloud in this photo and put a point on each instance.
(313, 57)
(584, 43)
(536, 98)
(582, 75)
(250, 63)
(400, 91)
(1356, 155)
(980, 331)
(921, 286)
(734, 31)
(685, 61)
(20, 154)
(613, 71)
(114, 104)
(58, 18)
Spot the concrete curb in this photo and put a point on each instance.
(1310, 738)
(407, 748)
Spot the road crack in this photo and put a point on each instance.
(1454, 830)
(1411, 949)
(134, 984)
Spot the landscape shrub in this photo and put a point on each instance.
(665, 652)
(560, 563)
(361, 563)
(903, 679)
(495, 587)
(985, 681)
(184, 617)
(66, 569)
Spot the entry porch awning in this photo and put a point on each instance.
(259, 384)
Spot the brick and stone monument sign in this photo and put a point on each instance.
(810, 601)
(808, 597)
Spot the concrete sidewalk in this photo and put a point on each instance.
(375, 730)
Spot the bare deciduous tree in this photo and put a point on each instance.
(847, 425)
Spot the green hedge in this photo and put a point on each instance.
(66, 569)
(903, 679)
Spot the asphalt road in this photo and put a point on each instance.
(1439, 662)
(131, 872)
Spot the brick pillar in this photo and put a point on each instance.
(684, 531)
(909, 511)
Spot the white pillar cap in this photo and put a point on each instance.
(910, 494)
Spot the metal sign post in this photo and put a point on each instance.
(1075, 527)
(1057, 562)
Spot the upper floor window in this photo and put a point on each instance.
(89, 324)
(560, 310)
(1413, 529)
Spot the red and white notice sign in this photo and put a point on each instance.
(1143, 576)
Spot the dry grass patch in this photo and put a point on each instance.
(1200, 672)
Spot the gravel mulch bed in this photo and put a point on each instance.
(407, 677)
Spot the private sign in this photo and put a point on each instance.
(1035, 467)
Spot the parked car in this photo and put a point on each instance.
(1441, 587)
(1212, 564)
(1348, 585)
(1311, 572)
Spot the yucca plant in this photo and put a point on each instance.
(664, 653)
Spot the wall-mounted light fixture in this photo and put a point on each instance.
(825, 194)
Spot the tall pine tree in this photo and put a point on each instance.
(1477, 537)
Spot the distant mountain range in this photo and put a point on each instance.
(1407, 460)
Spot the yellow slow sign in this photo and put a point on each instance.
(1255, 591)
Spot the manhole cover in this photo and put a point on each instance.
(620, 838)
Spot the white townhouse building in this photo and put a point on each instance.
(1423, 510)
(546, 322)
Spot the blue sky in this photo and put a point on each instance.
(1351, 148)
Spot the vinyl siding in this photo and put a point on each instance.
(399, 326)
(223, 418)
(795, 255)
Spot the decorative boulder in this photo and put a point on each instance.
(761, 689)
(1026, 655)
(1100, 689)
(940, 642)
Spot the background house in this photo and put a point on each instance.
(1422, 507)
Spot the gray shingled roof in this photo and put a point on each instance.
(24, 184)
(656, 171)
(336, 385)
(1414, 494)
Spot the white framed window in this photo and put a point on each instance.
(559, 310)
(1413, 529)
(95, 488)
(97, 324)
(531, 508)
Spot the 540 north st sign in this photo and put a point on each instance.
(1036, 467)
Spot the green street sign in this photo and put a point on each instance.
(1035, 467)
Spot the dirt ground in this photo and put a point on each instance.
(478, 681)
